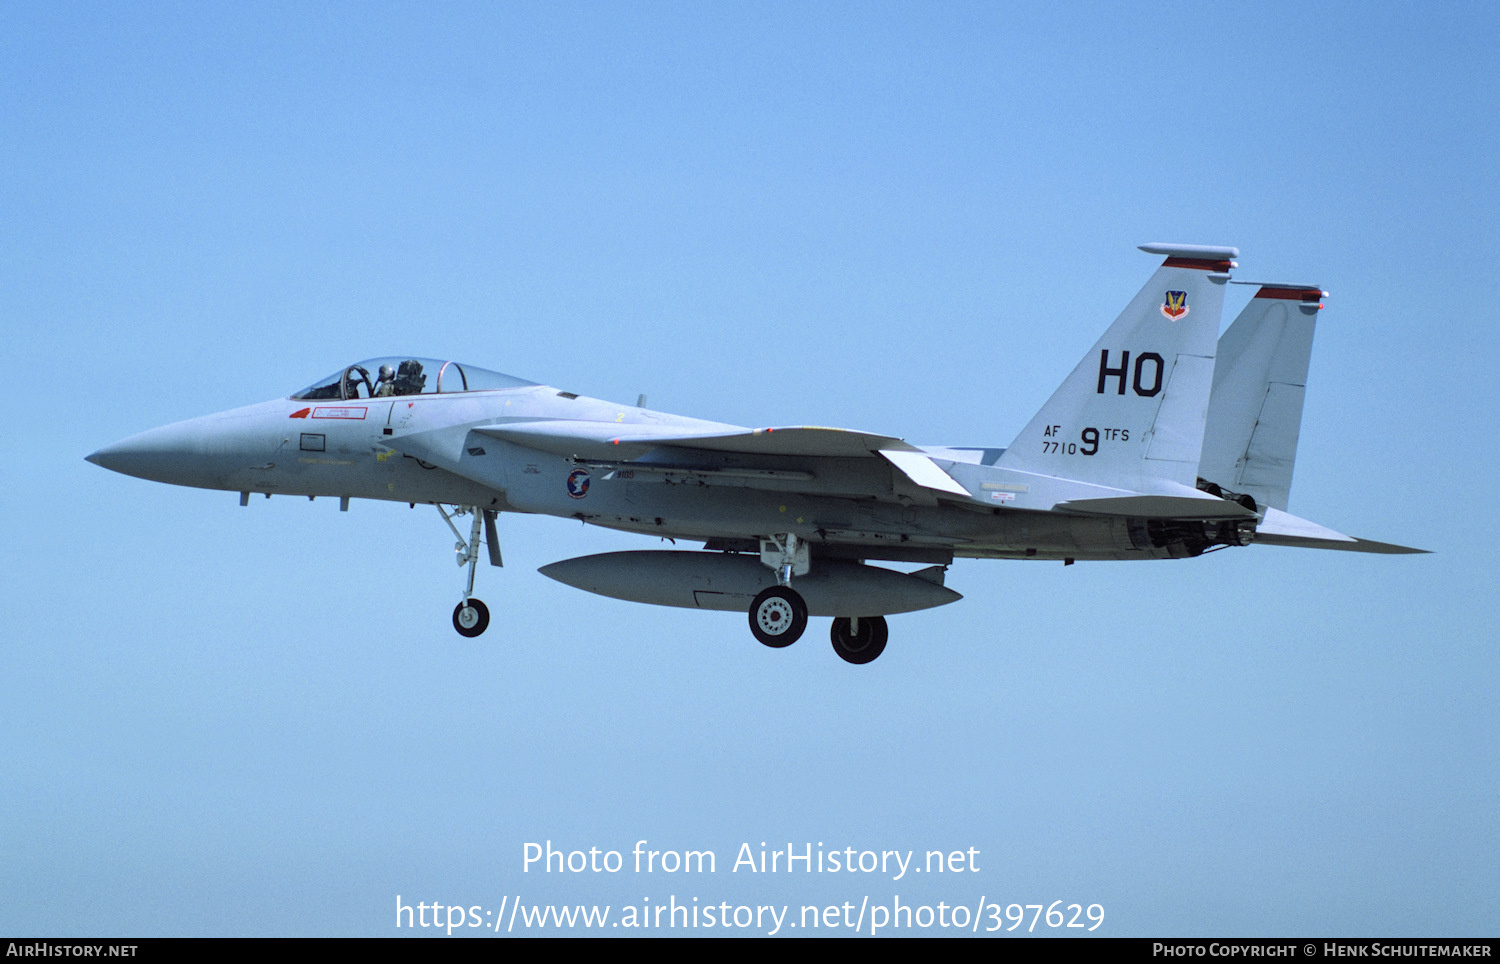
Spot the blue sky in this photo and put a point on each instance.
(910, 219)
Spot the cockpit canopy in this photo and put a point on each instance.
(388, 377)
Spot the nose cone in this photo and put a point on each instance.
(105, 458)
(138, 455)
(174, 453)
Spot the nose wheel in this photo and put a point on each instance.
(471, 617)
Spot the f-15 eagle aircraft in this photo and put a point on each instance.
(1166, 441)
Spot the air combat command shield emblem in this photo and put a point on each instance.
(1175, 305)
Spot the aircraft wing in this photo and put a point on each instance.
(622, 443)
(600, 439)
(1282, 529)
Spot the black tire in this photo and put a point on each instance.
(863, 647)
(473, 622)
(778, 616)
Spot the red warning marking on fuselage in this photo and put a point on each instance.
(300, 413)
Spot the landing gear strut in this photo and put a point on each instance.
(859, 639)
(778, 615)
(472, 617)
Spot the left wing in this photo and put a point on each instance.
(587, 439)
(624, 443)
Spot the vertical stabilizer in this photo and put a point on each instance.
(1133, 411)
(1255, 411)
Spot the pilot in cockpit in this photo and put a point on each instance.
(409, 378)
(385, 385)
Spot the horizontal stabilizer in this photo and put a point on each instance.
(1281, 529)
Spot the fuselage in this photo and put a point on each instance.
(424, 447)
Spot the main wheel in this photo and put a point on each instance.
(861, 646)
(778, 616)
(471, 618)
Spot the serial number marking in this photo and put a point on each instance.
(1088, 443)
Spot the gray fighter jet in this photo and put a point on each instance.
(1165, 442)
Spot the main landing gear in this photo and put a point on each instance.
(472, 617)
(778, 616)
(859, 639)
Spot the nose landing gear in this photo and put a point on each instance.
(472, 617)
